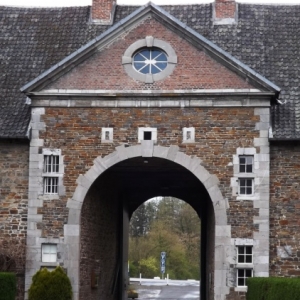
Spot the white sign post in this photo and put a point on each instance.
(163, 256)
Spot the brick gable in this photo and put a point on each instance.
(195, 68)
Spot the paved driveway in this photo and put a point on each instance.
(175, 290)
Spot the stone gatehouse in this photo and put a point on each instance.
(120, 104)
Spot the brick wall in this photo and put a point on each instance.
(99, 251)
(14, 157)
(77, 132)
(194, 70)
(285, 210)
(101, 9)
(225, 9)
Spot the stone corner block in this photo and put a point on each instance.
(147, 148)
(111, 159)
(173, 150)
(160, 151)
(71, 230)
(121, 150)
(134, 151)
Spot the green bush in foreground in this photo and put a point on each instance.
(8, 286)
(50, 285)
(261, 288)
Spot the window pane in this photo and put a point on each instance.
(242, 169)
(145, 53)
(249, 160)
(242, 160)
(139, 57)
(249, 190)
(249, 168)
(147, 135)
(145, 70)
(248, 273)
(241, 259)
(154, 70)
(242, 182)
(138, 66)
(249, 259)
(248, 250)
(241, 282)
(241, 250)
(162, 66)
(243, 191)
(159, 55)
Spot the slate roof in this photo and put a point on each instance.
(266, 39)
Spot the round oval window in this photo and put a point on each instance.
(150, 61)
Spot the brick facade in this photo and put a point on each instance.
(225, 9)
(195, 69)
(84, 218)
(284, 210)
(74, 127)
(102, 10)
(14, 158)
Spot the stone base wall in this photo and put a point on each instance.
(14, 158)
(285, 210)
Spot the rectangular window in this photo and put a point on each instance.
(245, 255)
(246, 186)
(147, 135)
(51, 163)
(50, 185)
(107, 135)
(188, 135)
(242, 275)
(51, 170)
(49, 253)
(246, 164)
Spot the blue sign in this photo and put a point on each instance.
(163, 256)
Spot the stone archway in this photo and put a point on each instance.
(147, 150)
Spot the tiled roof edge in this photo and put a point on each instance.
(81, 50)
(218, 49)
(238, 65)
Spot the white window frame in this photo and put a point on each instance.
(244, 276)
(52, 177)
(247, 158)
(188, 131)
(246, 186)
(245, 255)
(243, 266)
(142, 130)
(49, 253)
(107, 131)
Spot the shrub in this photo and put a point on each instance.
(8, 286)
(260, 288)
(50, 285)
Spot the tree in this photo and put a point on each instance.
(50, 285)
(171, 226)
(142, 218)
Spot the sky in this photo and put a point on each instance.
(57, 3)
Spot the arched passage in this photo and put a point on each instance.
(113, 188)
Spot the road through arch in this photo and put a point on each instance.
(97, 231)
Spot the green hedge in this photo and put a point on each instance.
(8, 286)
(50, 285)
(261, 288)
